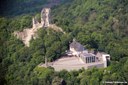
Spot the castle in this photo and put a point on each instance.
(27, 34)
(45, 13)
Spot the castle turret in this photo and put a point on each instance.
(33, 22)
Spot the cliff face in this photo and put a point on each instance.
(27, 34)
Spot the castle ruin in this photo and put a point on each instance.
(27, 34)
(45, 13)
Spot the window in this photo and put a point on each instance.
(107, 56)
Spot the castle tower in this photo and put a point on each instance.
(45, 13)
(34, 22)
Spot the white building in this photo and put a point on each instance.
(76, 48)
(98, 59)
(79, 58)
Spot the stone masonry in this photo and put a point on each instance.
(27, 34)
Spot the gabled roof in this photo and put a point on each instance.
(77, 46)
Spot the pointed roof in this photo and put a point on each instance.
(76, 45)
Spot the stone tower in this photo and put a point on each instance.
(34, 22)
(45, 13)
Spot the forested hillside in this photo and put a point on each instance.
(97, 24)
(14, 8)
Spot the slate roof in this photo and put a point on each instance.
(86, 54)
(77, 46)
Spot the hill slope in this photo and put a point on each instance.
(13, 8)
(97, 24)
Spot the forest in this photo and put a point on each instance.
(101, 25)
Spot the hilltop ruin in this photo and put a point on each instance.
(27, 34)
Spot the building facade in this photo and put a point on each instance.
(91, 59)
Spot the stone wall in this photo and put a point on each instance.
(27, 34)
